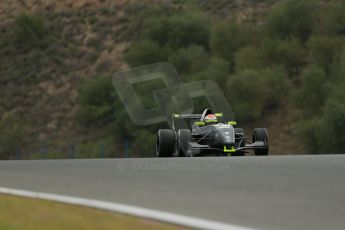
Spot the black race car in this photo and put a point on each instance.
(209, 135)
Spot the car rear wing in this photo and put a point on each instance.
(192, 116)
(188, 116)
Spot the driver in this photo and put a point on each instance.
(210, 119)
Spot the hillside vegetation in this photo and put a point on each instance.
(280, 63)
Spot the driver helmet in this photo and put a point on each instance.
(211, 118)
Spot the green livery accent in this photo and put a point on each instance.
(232, 123)
(200, 123)
(176, 115)
(219, 114)
(211, 120)
(231, 150)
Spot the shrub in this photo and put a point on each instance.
(290, 18)
(227, 38)
(248, 58)
(146, 52)
(339, 66)
(331, 19)
(217, 69)
(306, 133)
(331, 129)
(323, 50)
(324, 134)
(289, 53)
(135, 16)
(101, 108)
(311, 97)
(145, 91)
(13, 135)
(178, 31)
(104, 147)
(250, 92)
(182, 36)
(29, 29)
(191, 59)
(143, 144)
(96, 101)
(121, 125)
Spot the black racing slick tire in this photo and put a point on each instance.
(183, 138)
(165, 144)
(260, 134)
(239, 133)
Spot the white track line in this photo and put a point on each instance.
(167, 217)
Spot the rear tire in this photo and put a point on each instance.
(165, 144)
(183, 138)
(260, 134)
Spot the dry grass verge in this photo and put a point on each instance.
(27, 213)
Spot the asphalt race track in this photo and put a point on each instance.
(274, 192)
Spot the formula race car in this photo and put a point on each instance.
(209, 135)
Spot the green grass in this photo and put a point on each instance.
(27, 213)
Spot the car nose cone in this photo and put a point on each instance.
(226, 136)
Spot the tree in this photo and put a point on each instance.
(13, 135)
(311, 97)
(331, 130)
(96, 101)
(323, 50)
(251, 91)
(146, 52)
(227, 38)
(290, 18)
(249, 58)
(290, 53)
(189, 60)
(178, 31)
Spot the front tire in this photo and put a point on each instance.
(165, 144)
(260, 134)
